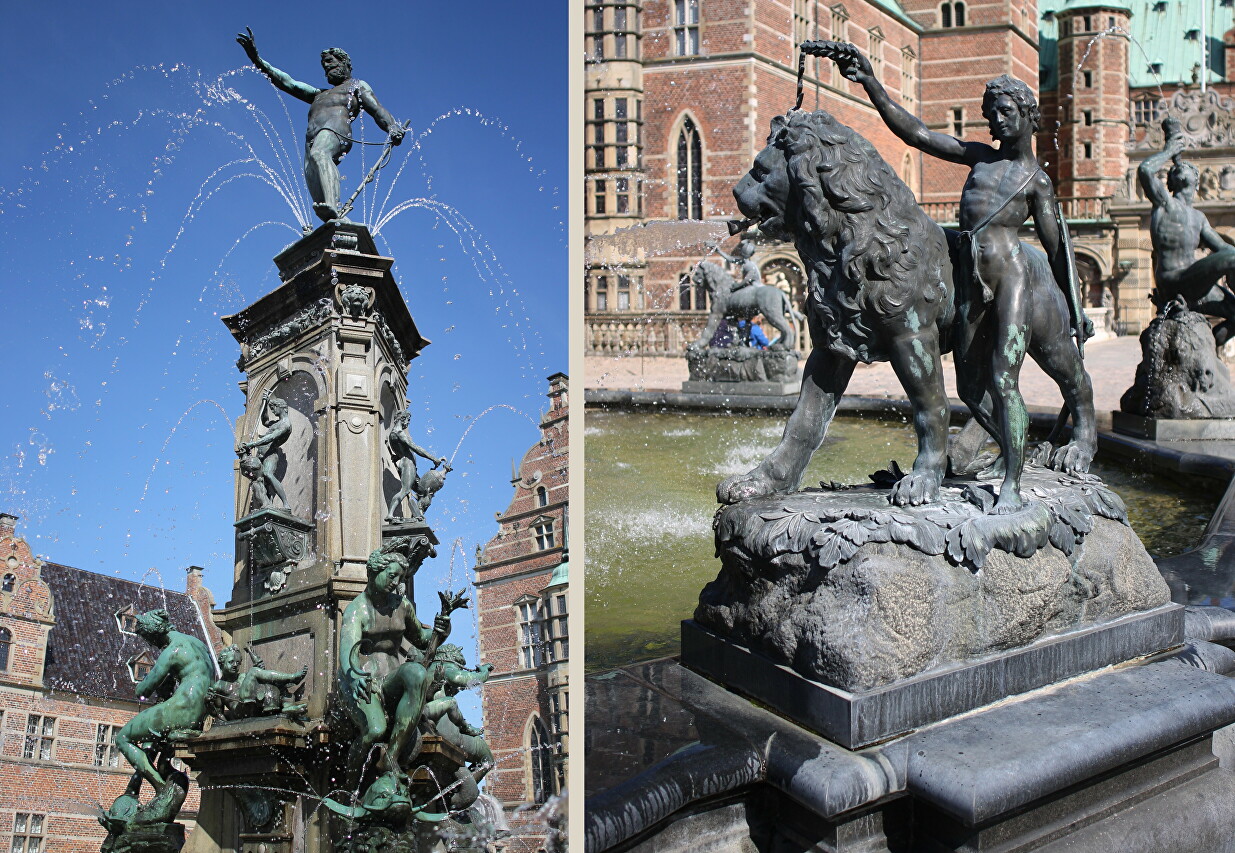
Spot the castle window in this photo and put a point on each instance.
(1146, 111)
(1193, 34)
(909, 81)
(958, 121)
(599, 197)
(140, 666)
(542, 496)
(623, 304)
(40, 737)
(686, 29)
(126, 619)
(105, 752)
(602, 293)
(540, 757)
(876, 51)
(690, 172)
(1088, 150)
(531, 645)
(840, 20)
(10, 581)
(1088, 114)
(1088, 78)
(559, 640)
(952, 14)
(1160, 6)
(1088, 24)
(622, 185)
(28, 833)
(6, 648)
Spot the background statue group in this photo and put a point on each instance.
(887, 283)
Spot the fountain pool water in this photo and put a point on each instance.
(651, 481)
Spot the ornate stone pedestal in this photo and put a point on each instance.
(277, 542)
(333, 341)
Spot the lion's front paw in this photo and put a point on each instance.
(1074, 457)
(915, 488)
(752, 484)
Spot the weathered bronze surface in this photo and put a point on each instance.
(331, 112)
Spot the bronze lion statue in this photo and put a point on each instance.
(882, 288)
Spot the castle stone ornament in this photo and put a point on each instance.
(1206, 120)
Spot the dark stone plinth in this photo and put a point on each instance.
(741, 389)
(860, 718)
(408, 527)
(1174, 429)
(1056, 769)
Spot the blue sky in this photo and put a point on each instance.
(131, 223)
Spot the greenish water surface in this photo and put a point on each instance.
(651, 485)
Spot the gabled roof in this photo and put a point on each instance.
(86, 652)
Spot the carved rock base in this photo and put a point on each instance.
(1180, 375)
(845, 589)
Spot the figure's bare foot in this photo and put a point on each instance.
(1074, 457)
(916, 488)
(1010, 501)
(752, 484)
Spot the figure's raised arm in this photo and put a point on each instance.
(380, 114)
(1147, 172)
(280, 79)
(908, 127)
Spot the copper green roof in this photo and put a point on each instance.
(893, 8)
(560, 575)
(1165, 38)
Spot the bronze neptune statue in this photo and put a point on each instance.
(331, 112)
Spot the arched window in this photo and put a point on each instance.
(540, 757)
(6, 645)
(542, 496)
(952, 14)
(690, 172)
(10, 581)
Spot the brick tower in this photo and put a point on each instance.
(1093, 107)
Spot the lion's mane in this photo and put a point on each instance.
(873, 251)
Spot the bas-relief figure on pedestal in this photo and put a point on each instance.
(421, 488)
(260, 468)
(331, 113)
(146, 741)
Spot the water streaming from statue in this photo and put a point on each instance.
(272, 704)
